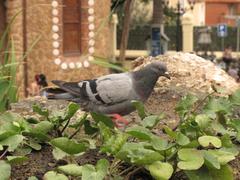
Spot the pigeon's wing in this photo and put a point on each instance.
(106, 90)
(71, 87)
(116, 88)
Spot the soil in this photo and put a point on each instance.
(42, 161)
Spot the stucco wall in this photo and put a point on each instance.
(39, 25)
(14, 8)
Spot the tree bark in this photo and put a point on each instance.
(157, 17)
(126, 24)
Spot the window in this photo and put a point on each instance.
(71, 27)
(232, 9)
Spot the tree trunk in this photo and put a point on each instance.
(157, 17)
(126, 24)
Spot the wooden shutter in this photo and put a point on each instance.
(71, 27)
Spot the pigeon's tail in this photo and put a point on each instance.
(57, 93)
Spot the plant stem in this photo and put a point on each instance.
(3, 154)
(126, 170)
(201, 102)
(80, 125)
(66, 125)
(135, 170)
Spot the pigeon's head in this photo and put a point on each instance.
(159, 68)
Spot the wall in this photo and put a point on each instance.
(217, 10)
(2, 17)
(39, 25)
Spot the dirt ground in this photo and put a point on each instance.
(42, 161)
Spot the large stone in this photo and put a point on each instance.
(191, 73)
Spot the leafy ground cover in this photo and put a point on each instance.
(201, 147)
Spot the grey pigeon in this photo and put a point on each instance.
(113, 93)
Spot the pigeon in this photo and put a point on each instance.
(113, 93)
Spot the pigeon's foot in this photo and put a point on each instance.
(119, 121)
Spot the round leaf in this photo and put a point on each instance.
(16, 159)
(5, 170)
(205, 141)
(160, 170)
(12, 142)
(139, 132)
(71, 169)
(223, 156)
(211, 160)
(191, 159)
(151, 121)
(159, 143)
(182, 139)
(203, 121)
(51, 175)
(69, 146)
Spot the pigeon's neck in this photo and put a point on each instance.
(144, 82)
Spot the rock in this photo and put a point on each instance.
(191, 73)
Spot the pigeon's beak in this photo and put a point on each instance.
(167, 75)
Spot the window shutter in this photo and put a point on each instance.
(71, 27)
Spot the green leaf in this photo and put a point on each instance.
(115, 143)
(10, 117)
(210, 160)
(12, 142)
(145, 156)
(224, 173)
(235, 124)
(140, 108)
(7, 134)
(223, 156)
(137, 153)
(170, 132)
(206, 141)
(191, 159)
(159, 144)
(203, 121)
(52, 175)
(58, 153)
(34, 145)
(41, 111)
(4, 84)
(217, 105)
(71, 110)
(5, 170)
(105, 131)
(71, 169)
(235, 98)
(185, 104)
(32, 178)
(182, 139)
(104, 63)
(22, 151)
(139, 132)
(69, 146)
(151, 121)
(16, 159)
(89, 172)
(43, 127)
(102, 167)
(160, 170)
(89, 129)
(226, 141)
(102, 118)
